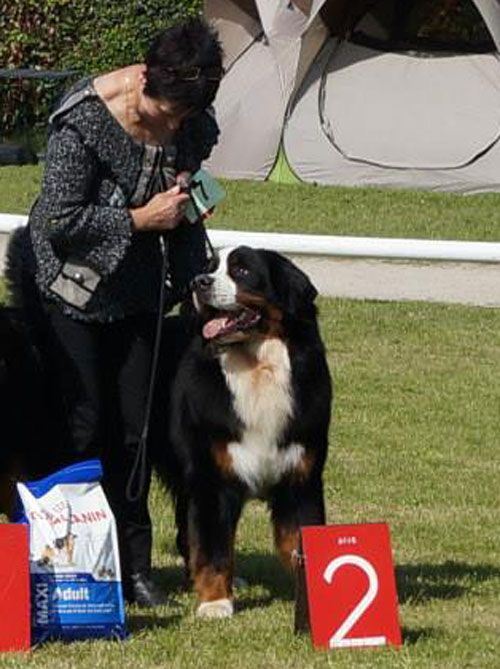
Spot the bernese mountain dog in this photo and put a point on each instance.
(250, 415)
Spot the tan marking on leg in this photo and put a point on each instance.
(287, 544)
(208, 583)
(303, 470)
(211, 585)
(223, 459)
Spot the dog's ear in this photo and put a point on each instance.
(294, 291)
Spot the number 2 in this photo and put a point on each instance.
(338, 640)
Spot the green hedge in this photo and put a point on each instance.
(90, 36)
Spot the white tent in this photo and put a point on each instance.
(402, 93)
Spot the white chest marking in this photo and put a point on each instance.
(260, 383)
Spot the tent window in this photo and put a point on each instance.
(426, 25)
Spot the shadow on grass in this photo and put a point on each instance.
(262, 570)
(413, 636)
(265, 571)
(171, 579)
(423, 582)
(137, 621)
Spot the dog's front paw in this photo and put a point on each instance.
(219, 608)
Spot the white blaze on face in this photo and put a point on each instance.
(222, 294)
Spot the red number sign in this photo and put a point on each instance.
(14, 588)
(351, 586)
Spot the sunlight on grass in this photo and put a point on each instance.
(414, 442)
(304, 208)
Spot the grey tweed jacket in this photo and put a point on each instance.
(94, 172)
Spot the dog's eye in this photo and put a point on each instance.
(240, 272)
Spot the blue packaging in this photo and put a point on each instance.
(76, 589)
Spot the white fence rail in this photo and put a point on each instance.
(332, 245)
(362, 247)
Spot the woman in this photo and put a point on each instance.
(118, 146)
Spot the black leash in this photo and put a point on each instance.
(139, 468)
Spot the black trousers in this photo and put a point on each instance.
(103, 373)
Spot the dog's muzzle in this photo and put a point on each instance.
(202, 283)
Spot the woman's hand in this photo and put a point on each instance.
(163, 212)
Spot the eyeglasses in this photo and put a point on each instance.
(212, 73)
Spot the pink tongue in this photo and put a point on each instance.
(213, 327)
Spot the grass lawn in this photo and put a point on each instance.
(414, 443)
(303, 208)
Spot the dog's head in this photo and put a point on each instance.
(252, 291)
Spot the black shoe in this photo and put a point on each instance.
(139, 589)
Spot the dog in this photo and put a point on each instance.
(60, 553)
(23, 417)
(66, 547)
(30, 410)
(250, 416)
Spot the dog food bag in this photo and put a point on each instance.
(76, 590)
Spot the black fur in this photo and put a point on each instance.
(209, 499)
(31, 441)
(30, 407)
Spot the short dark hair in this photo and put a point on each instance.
(174, 55)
